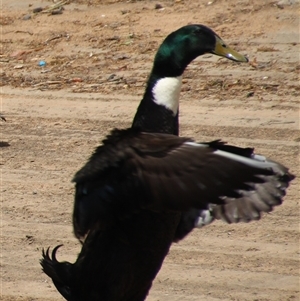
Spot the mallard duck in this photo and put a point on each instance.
(142, 191)
(131, 184)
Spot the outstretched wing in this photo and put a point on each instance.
(133, 171)
(249, 205)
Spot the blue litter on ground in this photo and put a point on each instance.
(42, 63)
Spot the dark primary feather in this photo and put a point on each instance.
(248, 206)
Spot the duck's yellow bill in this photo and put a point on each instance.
(222, 49)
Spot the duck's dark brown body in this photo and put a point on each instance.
(128, 203)
(121, 260)
(118, 261)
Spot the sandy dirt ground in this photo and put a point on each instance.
(98, 55)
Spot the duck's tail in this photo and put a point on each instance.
(59, 272)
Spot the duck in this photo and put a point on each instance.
(128, 209)
(130, 185)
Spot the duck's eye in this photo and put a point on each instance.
(224, 45)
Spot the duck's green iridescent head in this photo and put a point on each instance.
(188, 42)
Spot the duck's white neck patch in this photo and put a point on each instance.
(166, 92)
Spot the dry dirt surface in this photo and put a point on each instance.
(98, 55)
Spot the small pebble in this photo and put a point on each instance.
(27, 17)
(57, 11)
(37, 10)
